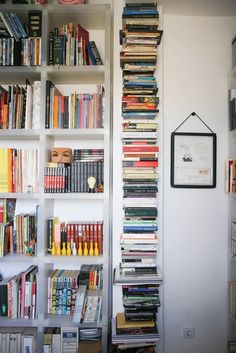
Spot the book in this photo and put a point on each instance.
(94, 53)
(35, 23)
(57, 48)
(69, 339)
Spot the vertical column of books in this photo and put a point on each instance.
(138, 272)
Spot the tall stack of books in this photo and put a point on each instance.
(139, 38)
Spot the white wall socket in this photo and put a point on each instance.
(188, 332)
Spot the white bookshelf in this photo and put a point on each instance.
(95, 16)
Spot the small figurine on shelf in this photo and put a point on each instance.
(91, 182)
(30, 247)
(100, 188)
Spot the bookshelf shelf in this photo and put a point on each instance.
(21, 258)
(95, 17)
(75, 196)
(18, 195)
(6, 322)
(19, 134)
(94, 260)
(58, 13)
(56, 321)
(82, 134)
(76, 74)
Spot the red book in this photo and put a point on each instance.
(100, 237)
(68, 231)
(88, 234)
(76, 235)
(141, 148)
(140, 164)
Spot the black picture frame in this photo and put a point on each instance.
(193, 160)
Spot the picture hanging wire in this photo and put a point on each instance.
(192, 115)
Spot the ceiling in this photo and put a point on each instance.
(199, 7)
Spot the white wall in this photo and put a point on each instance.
(197, 58)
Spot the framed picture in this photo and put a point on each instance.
(193, 160)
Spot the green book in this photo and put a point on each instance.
(58, 49)
(140, 212)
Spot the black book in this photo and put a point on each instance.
(49, 85)
(17, 53)
(141, 5)
(35, 23)
(57, 48)
(94, 53)
(4, 297)
(50, 48)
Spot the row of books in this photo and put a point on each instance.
(19, 106)
(19, 170)
(18, 339)
(26, 52)
(59, 178)
(70, 45)
(76, 111)
(71, 339)
(230, 175)
(20, 43)
(88, 306)
(74, 238)
(7, 210)
(18, 295)
(64, 284)
(19, 236)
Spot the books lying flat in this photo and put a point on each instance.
(123, 325)
(132, 338)
(133, 278)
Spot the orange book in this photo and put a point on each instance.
(4, 117)
(55, 112)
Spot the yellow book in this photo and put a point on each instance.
(121, 323)
(4, 170)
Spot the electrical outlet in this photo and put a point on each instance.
(188, 332)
